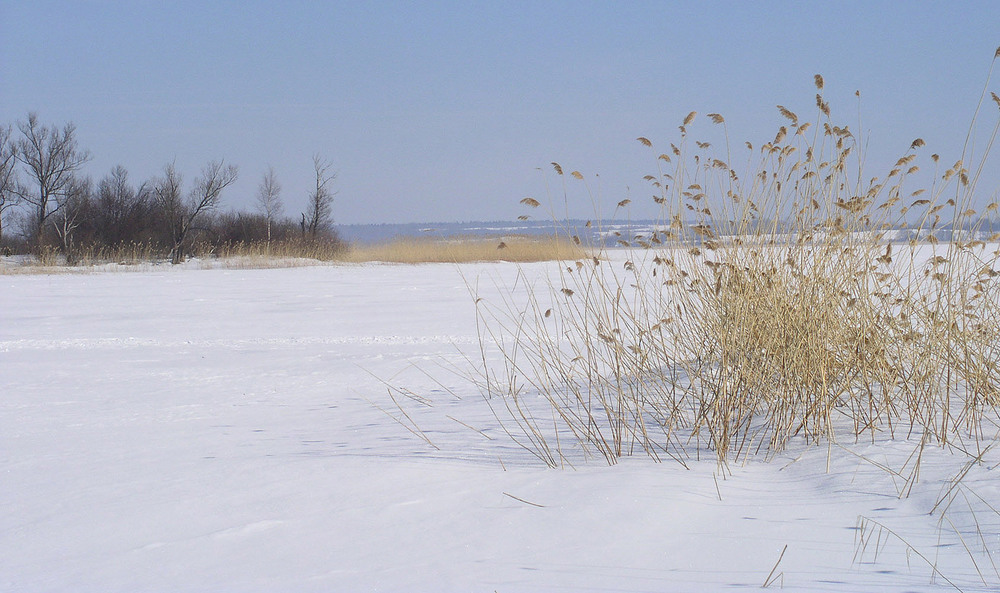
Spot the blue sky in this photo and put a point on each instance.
(446, 111)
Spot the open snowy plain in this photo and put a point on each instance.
(182, 430)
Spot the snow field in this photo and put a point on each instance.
(221, 430)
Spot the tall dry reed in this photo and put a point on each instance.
(792, 296)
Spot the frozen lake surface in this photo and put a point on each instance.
(182, 430)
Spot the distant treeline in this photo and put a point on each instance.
(47, 204)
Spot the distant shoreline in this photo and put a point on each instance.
(596, 234)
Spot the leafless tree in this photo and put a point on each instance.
(9, 183)
(168, 195)
(319, 211)
(181, 216)
(121, 212)
(269, 199)
(52, 159)
(73, 204)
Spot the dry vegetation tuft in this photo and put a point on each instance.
(790, 297)
(466, 249)
(273, 253)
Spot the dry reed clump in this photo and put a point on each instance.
(50, 261)
(465, 249)
(125, 254)
(280, 253)
(137, 255)
(792, 297)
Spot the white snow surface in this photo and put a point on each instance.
(184, 430)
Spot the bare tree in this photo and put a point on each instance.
(121, 212)
(167, 194)
(9, 183)
(52, 158)
(269, 199)
(319, 211)
(73, 205)
(183, 217)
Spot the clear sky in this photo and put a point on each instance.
(445, 111)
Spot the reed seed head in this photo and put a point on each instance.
(788, 114)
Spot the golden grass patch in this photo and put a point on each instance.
(411, 250)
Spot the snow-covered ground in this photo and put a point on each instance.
(231, 430)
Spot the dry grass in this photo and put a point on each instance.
(297, 253)
(466, 249)
(27, 268)
(137, 255)
(776, 300)
(278, 251)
